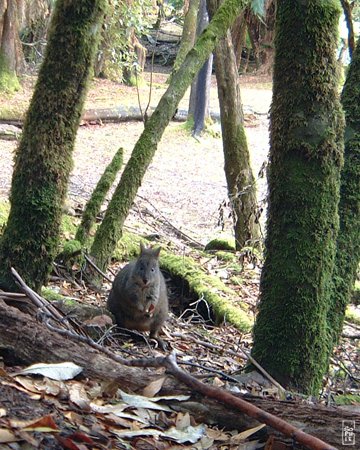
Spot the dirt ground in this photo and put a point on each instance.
(185, 181)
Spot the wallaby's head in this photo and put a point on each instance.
(147, 265)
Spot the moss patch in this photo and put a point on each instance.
(9, 82)
(4, 212)
(221, 244)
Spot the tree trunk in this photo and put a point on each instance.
(188, 35)
(291, 338)
(238, 35)
(348, 242)
(43, 159)
(11, 55)
(23, 340)
(110, 230)
(92, 208)
(239, 176)
(347, 7)
(200, 89)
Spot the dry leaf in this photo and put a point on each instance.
(61, 371)
(154, 387)
(78, 395)
(7, 436)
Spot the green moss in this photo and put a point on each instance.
(93, 206)
(227, 257)
(4, 212)
(237, 280)
(291, 334)
(52, 295)
(9, 82)
(127, 247)
(13, 112)
(214, 291)
(68, 225)
(221, 244)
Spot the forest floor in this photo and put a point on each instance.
(194, 167)
(185, 187)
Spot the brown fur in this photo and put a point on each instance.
(138, 298)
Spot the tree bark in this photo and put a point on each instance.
(199, 102)
(11, 55)
(348, 242)
(110, 230)
(24, 341)
(188, 35)
(291, 338)
(238, 36)
(349, 23)
(43, 159)
(92, 208)
(239, 176)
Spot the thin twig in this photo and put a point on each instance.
(37, 299)
(98, 270)
(245, 354)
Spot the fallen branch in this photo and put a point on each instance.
(253, 411)
(25, 339)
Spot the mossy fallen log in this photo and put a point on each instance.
(223, 300)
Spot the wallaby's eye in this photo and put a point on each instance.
(153, 269)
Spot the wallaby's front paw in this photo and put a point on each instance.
(162, 345)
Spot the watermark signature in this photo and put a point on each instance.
(348, 432)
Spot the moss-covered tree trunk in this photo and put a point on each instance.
(92, 208)
(348, 243)
(43, 159)
(239, 176)
(306, 150)
(110, 230)
(188, 34)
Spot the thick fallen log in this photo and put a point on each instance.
(24, 340)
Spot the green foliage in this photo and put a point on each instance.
(176, 5)
(258, 7)
(122, 19)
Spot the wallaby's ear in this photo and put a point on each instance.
(142, 248)
(156, 252)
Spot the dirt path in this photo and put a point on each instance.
(185, 181)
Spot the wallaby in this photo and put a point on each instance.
(138, 298)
